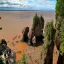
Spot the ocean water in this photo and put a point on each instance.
(23, 9)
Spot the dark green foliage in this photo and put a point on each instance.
(62, 37)
(1, 53)
(59, 38)
(35, 20)
(49, 32)
(57, 34)
(59, 22)
(42, 20)
(23, 59)
(49, 35)
(2, 61)
(49, 42)
(38, 20)
(60, 8)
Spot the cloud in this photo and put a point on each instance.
(35, 4)
(46, 1)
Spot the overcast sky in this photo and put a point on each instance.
(29, 4)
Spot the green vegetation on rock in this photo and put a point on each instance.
(49, 35)
(49, 32)
(35, 20)
(62, 37)
(2, 61)
(42, 19)
(60, 8)
(48, 45)
(59, 37)
(23, 59)
(57, 34)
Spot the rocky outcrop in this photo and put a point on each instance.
(30, 36)
(25, 34)
(36, 31)
(3, 42)
(12, 57)
(7, 54)
(55, 54)
(60, 59)
(49, 54)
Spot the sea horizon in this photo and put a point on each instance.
(21, 9)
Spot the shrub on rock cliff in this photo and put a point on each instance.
(49, 43)
(62, 37)
(42, 21)
(38, 20)
(49, 32)
(59, 22)
(57, 34)
(35, 20)
(49, 35)
(60, 8)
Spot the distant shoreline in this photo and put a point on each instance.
(30, 10)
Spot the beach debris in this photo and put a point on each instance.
(19, 36)
(25, 34)
(0, 28)
(19, 52)
(37, 61)
(13, 44)
(17, 41)
(14, 37)
(0, 18)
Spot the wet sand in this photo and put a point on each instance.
(19, 48)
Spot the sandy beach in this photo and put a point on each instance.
(13, 22)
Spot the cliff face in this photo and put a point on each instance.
(49, 54)
(55, 55)
(38, 30)
(25, 34)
